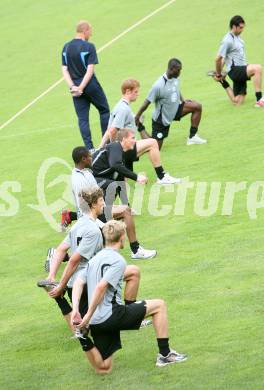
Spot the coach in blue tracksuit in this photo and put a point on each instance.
(78, 60)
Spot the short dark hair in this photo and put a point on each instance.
(174, 62)
(236, 21)
(78, 153)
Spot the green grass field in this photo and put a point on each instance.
(209, 268)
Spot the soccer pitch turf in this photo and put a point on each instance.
(209, 268)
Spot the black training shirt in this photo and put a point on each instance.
(77, 55)
(108, 163)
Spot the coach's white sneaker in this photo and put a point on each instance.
(196, 140)
(168, 179)
(143, 253)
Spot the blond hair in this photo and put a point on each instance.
(124, 133)
(129, 84)
(82, 26)
(113, 231)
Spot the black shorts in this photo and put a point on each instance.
(106, 336)
(238, 74)
(83, 305)
(112, 189)
(65, 306)
(159, 130)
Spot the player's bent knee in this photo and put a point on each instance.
(252, 69)
(155, 305)
(154, 143)
(198, 106)
(131, 271)
(127, 211)
(134, 271)
(162, 303)
(103, 371)
(105, 367)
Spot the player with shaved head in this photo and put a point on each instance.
(170, 106)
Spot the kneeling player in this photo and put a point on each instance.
(106, 315)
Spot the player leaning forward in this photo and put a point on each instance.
(232, 54)
(170, 106)
(122, 117)
(85, 240)
(106, 315)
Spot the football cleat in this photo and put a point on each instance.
(145, 323)
(47, 284)
(65, 219)
(171, 358)
(196, 140)
(212, 73)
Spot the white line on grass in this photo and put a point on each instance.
(38, 131)
(99, 50)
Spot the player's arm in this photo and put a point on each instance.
(90, 62)
(57, 260)
(67, 273)
(87, 77)
(97, 297)
(115, 160)
(219, 63)
(67, 77)
(141, 110)
(84, 250)
(111, 277)
(225, 47)
(77, 290)
(111, 133)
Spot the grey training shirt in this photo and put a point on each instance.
(85, 237)
(80, 180)
(232, 49)
(110, 266)
(165, 94)
(122, 116)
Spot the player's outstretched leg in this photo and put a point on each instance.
(158, 310)
(138, 252)
(151, 147)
